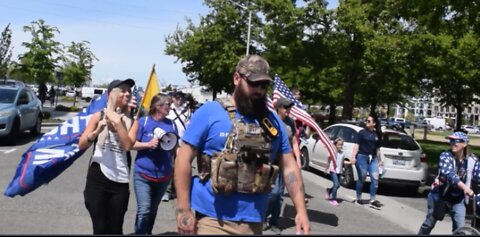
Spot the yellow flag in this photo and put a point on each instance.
(151, 90)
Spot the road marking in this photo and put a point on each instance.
(8, 151)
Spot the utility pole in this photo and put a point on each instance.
(249, 23)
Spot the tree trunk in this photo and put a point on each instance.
(351, 79)
(373, 110)
(459, 116)
(332, 114)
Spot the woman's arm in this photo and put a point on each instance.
(94, 127)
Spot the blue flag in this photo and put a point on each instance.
(54, 152)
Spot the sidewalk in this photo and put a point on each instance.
(57, 117)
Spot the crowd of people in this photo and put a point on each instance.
(246, 155)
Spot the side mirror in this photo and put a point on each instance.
(315, 136)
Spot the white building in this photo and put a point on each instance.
(429, 107)
(200, 93)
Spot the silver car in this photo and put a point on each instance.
(20, 110)
(403, 158)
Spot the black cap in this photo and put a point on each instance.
(283, 102)
(117, 83)
(178, 94)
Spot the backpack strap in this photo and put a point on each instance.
(102, 115)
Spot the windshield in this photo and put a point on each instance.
(7, 96)
(399, 141)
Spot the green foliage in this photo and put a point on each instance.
(78, 65)
(42, 56)
(5, 51)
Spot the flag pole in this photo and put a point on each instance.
(145, 90)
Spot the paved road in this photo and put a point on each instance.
(58, 208)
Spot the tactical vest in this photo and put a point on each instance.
(244, 163)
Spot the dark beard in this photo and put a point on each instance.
(248, 106)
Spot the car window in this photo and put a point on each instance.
(399, 141)
(347, 134)
(24, 97)
(7, 96)
(331, 132)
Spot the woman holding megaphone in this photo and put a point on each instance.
(156, 139)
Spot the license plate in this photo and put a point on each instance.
(399, 162)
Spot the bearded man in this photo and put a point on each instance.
(234, 141)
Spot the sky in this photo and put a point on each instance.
(128, 37)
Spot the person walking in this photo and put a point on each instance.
(153, 166)
(366, 158)
(230, 139)
(180, 115)
(107, 190)
(51, 94)
(335, 171)
(282, 107)
(450, 187)
(42, 92)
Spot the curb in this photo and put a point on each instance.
(51, 124)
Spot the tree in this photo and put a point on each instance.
(5, 51)
(446, 35)
(209, 52)
(78, 65)
(43, 52)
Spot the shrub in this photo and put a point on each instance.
(62, 108)
(74, 109)
(46, 115)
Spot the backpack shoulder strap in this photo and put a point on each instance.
(102, 115)
(228, 106)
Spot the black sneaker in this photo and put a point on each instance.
(375, 204)
(357, 201)
(266, 226)
(276, 230)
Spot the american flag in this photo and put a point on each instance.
(298, 113)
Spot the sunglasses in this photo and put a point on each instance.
(369, 121)
(263, 84)
(455, 141)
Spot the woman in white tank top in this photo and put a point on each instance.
(107, 190)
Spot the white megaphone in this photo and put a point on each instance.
(167, 141)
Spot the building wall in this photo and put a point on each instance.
(430, 107)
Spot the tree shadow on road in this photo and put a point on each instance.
(22, 139)
(287, 220)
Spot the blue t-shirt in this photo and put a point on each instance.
(207, 132)
(155, 163)
(367, 142)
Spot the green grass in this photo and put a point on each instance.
(433, 149)
(446, 133)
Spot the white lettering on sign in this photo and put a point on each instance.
(73, 124)
(44, 155)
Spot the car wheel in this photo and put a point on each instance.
(37, 129)
(14, 132)
(347, 176)
(304, 159)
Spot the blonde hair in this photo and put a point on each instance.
(112, 101)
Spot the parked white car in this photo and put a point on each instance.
(403, 158)
(471, 129)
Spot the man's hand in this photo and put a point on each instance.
(302, 224)
(186, 222)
